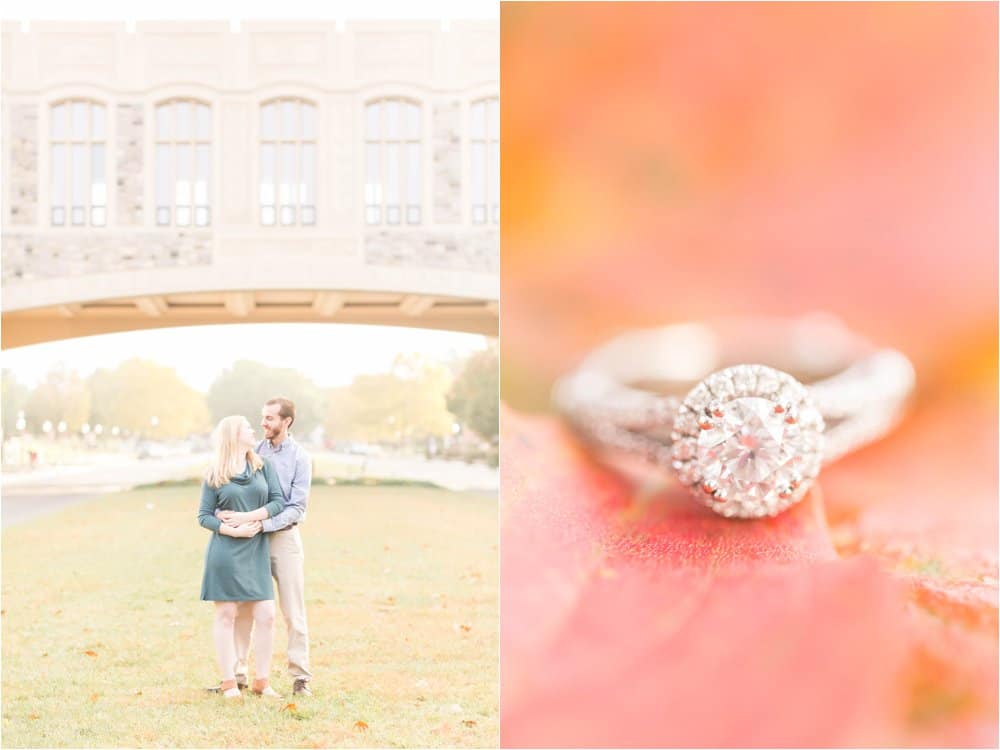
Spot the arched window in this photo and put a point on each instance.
(79, 195)
(484, 146)
(287, 162)
(393, 164)
(183, 163)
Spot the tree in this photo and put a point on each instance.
(62, 396)
(246, 386)
(475, 396)
(404, 405)
(15, 398)
(146, 398)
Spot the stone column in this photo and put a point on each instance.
(447, 162)
(129, 164)
(23, 163)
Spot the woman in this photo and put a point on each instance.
(238, 559)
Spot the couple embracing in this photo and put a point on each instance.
(252, 500)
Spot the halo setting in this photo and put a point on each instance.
(748, 441)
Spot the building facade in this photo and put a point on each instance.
(170, 173)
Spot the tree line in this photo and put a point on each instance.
(416, 399)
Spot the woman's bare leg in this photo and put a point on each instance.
(263, 640)
(222, 632)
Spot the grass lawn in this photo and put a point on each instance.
(106, 643)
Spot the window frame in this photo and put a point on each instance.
(491, 209)
(298, 143)
(194, 140)
(67, 141)
(411, 209)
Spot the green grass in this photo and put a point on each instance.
(401, 594)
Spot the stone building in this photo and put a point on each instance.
(172, 173)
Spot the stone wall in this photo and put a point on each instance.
(28, 256)
(447, 162)
(128, 163)
(460, 251)
(23, 175)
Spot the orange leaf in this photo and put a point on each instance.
(469, 722)
(466, 628)
(360, 726)
(288, 707)
(94, 697)
(34, 717)
(88, 652)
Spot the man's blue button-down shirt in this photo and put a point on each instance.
(291, 464)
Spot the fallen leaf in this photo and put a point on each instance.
(645, 657)
(34, 717)
(466, 628)
(137, 691)
(469, 722)
(88, 652)
(94, 697)
(288, 707)
(360, 726)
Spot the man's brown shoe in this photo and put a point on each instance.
(301, 687)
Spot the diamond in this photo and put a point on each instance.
(687, 472)
(686, 423)
(751, 453)
(685, 449)
(744, 380)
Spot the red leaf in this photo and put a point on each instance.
(640, 618)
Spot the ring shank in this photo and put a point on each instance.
(625, 393)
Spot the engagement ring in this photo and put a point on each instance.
(747, 439)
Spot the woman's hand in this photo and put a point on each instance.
(245, 530)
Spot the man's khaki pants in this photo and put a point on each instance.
(288, 571)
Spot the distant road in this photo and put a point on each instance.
(27, 495)
(452, 475)
(30, 494)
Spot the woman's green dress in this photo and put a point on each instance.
(239, 569)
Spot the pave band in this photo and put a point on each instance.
(628, 397)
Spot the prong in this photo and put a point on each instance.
(706, 423)
(791, 416)
(782, 407)
(715, 409)
(710, 488)
(785, 491)
(796, 481)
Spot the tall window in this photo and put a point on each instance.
(287, 162)
(485, 150)
(183, 163)
(392, 162)
(79, 183)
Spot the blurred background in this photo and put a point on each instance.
(667, 162)
(126, 408)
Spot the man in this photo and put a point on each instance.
(294, 472)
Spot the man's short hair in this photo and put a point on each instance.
(286, 407)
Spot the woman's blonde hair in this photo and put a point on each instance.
(229, 460)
